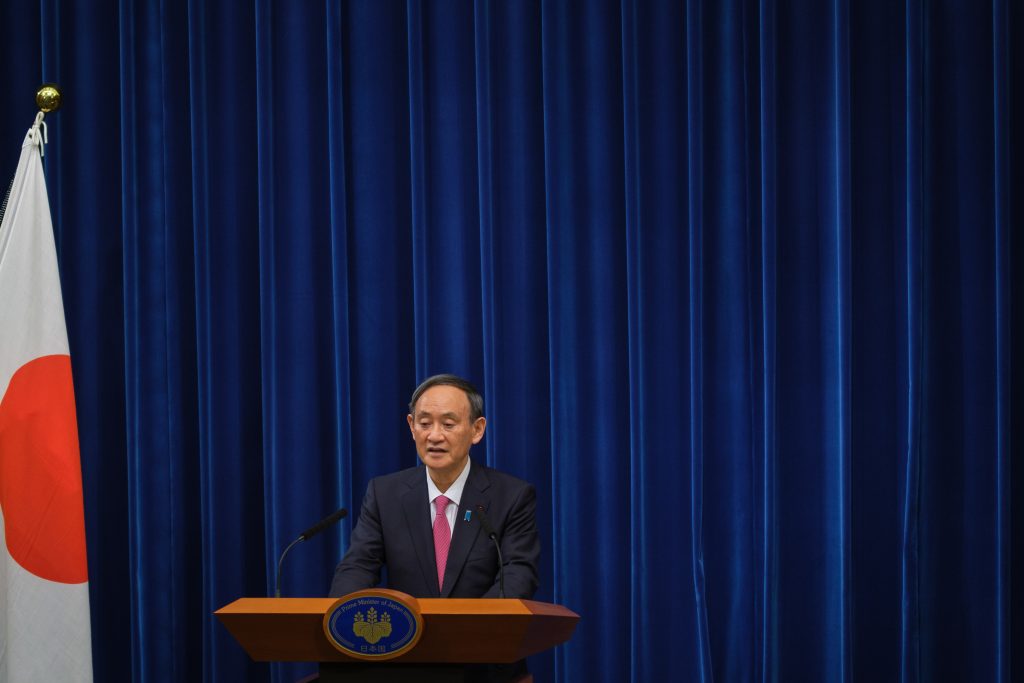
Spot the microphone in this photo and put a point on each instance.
(489, 530)
(309, 533)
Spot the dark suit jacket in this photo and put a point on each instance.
(395, 529)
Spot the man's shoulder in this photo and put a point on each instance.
(410, 476)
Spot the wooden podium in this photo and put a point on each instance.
(455, 632)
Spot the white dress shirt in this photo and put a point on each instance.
(454, 494)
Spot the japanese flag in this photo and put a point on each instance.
(44, 590)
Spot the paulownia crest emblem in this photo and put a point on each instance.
(371, 627)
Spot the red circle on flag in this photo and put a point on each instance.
(40, 471)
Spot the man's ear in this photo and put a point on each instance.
(478, 429)
(412, 430)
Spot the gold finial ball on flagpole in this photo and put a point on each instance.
(48, 97)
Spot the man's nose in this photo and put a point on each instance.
(435, 433)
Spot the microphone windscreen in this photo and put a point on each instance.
(323, 524)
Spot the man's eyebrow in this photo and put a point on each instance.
(425, 413)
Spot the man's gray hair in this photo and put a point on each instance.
(476, 401)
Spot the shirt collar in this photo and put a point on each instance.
(454, 492)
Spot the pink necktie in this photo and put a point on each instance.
(442, 537)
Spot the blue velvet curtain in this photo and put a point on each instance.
(741, 282)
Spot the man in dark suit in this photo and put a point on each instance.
(423, 524)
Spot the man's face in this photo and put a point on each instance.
(444, 432)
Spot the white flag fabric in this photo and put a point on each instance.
(44, 590)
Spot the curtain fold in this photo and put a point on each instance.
(911, 212)
(763, 259)
(1003, 339)
(739, 281)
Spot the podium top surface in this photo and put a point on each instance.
(427, 606)
(454, 629)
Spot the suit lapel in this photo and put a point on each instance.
(465, 533)
(417, 519)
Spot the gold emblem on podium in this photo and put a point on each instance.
(371, 628)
